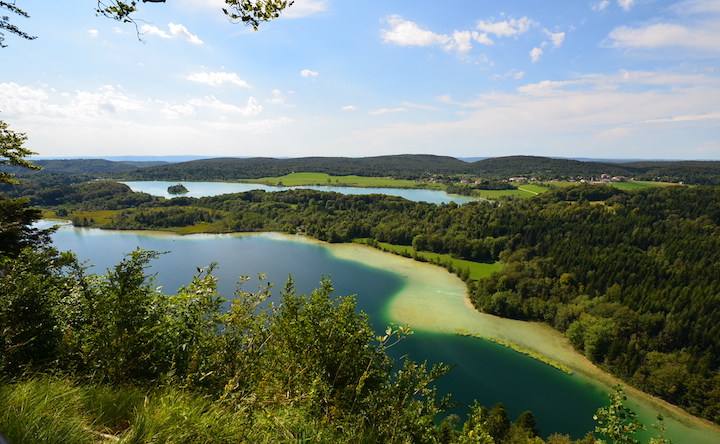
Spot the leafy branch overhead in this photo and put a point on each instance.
(6, 25)
(248, 12)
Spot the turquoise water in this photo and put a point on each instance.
(203, 189)
(485, 371)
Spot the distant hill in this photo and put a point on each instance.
(404, 166)
(407, 166)
(82, 166)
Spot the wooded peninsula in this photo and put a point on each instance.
(627, 270)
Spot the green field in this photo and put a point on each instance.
(478, 270)
(296, 179)
(523, 191)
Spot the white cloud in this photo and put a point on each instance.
(686, 118)
(176, 31)
(567, 117)
(153, 30)
(405, 33)
(308, 73)
(252, 108)
(461, 42)
(217, 78)
(601, 5)
(557, 38)
(666, 35)
(696, 6)
(506, 27)
(535, 54)
(278, 98)
(626, 4)
(304, 8)
(482, 38)
(178, 111)
(93, 33)
(387, 111)
(181, 32)
(349, 108)
(514, 73)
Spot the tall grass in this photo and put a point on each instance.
(43, 411)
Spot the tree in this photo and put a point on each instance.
(16, 216)
(616, 421)
(12, 151)
(247, 12)
(6, 25)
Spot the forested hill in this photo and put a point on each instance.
(82, 166)
(405, 166)
(422, 166)
(397, 166)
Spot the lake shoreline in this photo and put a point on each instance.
(436, 301)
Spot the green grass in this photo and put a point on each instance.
(633, 185)
(478, 270)
(297, 179)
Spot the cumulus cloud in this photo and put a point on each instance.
(557, 38)
(626, 4)
(387, 111)
(176, 32)
(535, 54)
(308, 73)
(93, 32)
(601, 5)
(407, 33)
(217, 78)
(349, 108)
(507, 27)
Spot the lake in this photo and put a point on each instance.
(203, 189)
(485, 371)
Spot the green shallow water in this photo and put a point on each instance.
(485, 371)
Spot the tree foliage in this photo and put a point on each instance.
(9, 27)
(248, 12)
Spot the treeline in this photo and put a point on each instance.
(411, 167)
(80, 166)
(630, 277)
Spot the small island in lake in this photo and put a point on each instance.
(177, 189)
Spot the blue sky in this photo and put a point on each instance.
(619, 79)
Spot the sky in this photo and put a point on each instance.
(601, 79)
